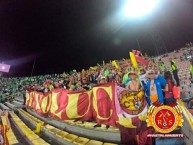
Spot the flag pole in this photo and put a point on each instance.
(138, 44)
(33, 67)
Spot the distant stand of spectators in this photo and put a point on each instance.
(86, 79)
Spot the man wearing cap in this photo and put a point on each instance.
(153, 87)
(136, 90)
(133, 85)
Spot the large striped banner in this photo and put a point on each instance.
(101, 104)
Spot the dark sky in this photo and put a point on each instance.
(66, 34)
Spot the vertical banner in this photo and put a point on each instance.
(46, 103)
(103, 104)
(67, 105)
(43, 103)
(29, 99)
(59, 102)
(36, 101)
(81, 104)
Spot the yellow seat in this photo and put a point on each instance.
(109, 144)
(62, 134)
(13, 141)
(38, 141)
(45, 143)
(28, 133)
(94, 142)
(55, 130)
(33, 137)
(70, 137)
(4, 120)
(49, 126)
(81, 141)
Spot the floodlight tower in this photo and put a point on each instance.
(140, 8)
(159, 45)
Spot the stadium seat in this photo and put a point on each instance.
(38, 141)
(49, 127)
(10, 135)
(70, 137)
(30, 117)
(94, 142)
(186, 98)
(25, 131)
(62, 134)
(109, 144)
(81, 141)
(55, 130)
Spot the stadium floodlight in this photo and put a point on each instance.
(139, 8)
(4, 67)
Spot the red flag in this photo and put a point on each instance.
(141, 60)
(136, 52)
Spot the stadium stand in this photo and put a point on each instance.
(31, 125)
(11, 136)
(26, 132)
(65, 131)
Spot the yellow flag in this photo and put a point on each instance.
(114, 63)
(133, 60)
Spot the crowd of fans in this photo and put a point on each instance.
(86, 79)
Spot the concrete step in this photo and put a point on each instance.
(18, 104)
(91, 133)
(57, 136)
(18, 99)
(11, 106)
(3, 107)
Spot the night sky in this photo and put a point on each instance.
(60, 35)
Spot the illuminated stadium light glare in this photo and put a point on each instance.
(139, 8)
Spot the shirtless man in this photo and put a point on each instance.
(134, 85)
(135, 88)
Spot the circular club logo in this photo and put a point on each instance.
(164, 119)
(132, 103)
